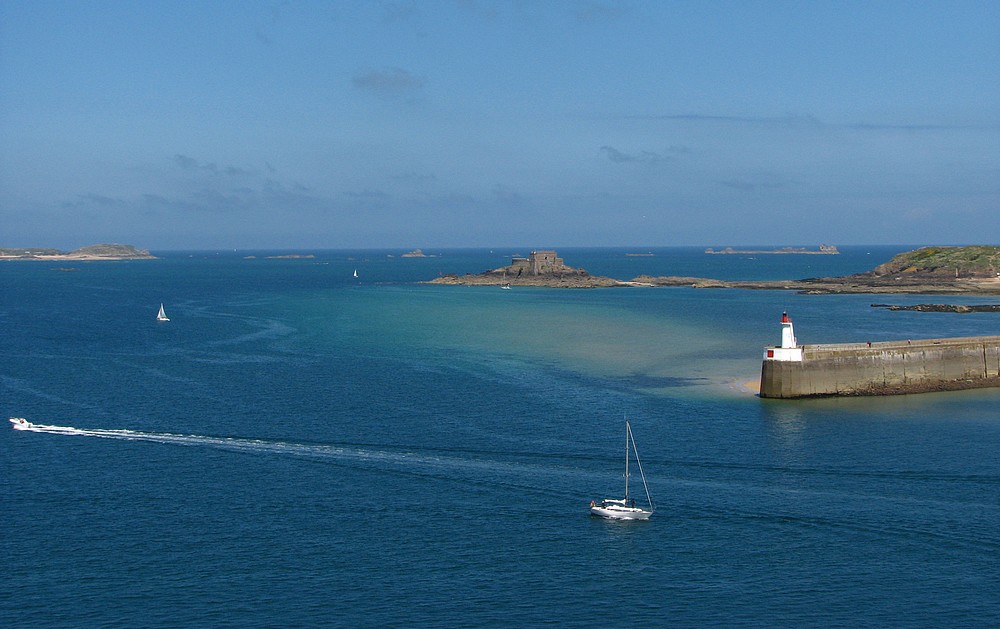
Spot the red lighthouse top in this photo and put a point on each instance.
(784, 318)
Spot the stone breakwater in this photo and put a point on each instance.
(884, 368)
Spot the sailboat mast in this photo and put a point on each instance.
(628, 432)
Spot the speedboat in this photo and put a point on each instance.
(619, 510)
(20, 423)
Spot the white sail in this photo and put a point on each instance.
(161, 316)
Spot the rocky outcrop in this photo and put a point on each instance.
(852, 284)
(959, 308)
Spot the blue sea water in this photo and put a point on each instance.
(297, 447)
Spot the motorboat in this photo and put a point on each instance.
(20, 423)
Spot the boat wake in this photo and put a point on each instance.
(409, 461)
(224, 443)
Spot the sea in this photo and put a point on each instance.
(300, 447)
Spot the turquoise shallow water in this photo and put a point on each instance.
(298, 447)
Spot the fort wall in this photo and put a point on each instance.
(538, 263)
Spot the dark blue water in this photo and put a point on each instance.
(297, 447)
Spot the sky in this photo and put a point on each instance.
(471, 123)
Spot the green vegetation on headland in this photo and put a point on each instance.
(973, 270)
(93, 252)
(973, 261)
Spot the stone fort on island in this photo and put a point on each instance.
(538, 263)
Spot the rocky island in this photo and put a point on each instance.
(540, 268)
(93, 252)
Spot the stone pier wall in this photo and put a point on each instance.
(885, 368)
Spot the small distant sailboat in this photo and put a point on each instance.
(355, 272)
(625, 509)
(505, 285)
(161, 316)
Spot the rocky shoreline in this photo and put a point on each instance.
(580, 279)
(841, 285)
(960, 309)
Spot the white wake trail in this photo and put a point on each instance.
(408, 459)
(461, 467)
(224, 443)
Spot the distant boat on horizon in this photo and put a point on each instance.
(161, 315)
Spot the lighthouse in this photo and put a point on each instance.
(789, 349)
(787, 333)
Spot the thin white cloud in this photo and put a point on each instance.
(388, 82)
(642, 157)
(188, 163)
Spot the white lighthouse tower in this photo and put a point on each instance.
(789, 349)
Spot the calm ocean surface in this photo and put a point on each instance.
(297, 447)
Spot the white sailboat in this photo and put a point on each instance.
(161, 316)
(355, 272)
(625, 509)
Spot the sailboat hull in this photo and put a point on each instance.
(620, 513)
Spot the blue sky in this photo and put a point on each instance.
(186, 125)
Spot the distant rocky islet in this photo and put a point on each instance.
(92, 252)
